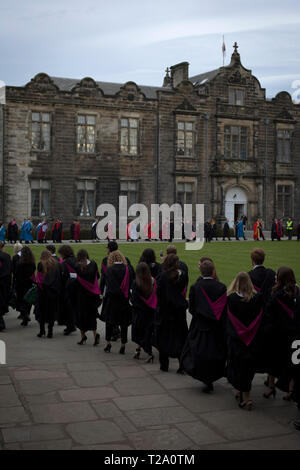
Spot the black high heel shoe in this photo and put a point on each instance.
(50, 333)
(97, 340)
(246, 404)
(83, 340)
(288, 396)
(122, 350)
(107, 348)
(271, 392)
(137, 353)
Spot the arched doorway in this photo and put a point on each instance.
(235, 204)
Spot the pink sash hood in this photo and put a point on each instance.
(246, 333)
(39, 279)
(152, 300)
(287, 309)
(218, 305)
(93, 288)
(125, 283)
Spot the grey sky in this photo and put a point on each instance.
(135, 40)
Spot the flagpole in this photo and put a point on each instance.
(223, 49)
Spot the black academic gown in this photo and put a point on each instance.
(5, 285)
(23, 282)
(155, 269)
(49, 291)
(244, 359)
(87, 303)
(67, 309)
(170, 323)
(204, 353)
(12, 232)
(281, 329)
(263, 279)
(142, 320)
(116, 309)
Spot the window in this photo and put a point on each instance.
(129, 189)
(86, 133)
(185, 193)
(236, 97)
(236, 142)
(185, 138)
(86, 198)
(283, 145)
(129, 136)
(40, 131)
(284, 201)
(40, 198)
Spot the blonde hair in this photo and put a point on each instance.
(242, 284)
(17, 247)
(116, 257)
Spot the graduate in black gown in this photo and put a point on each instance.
(172, 250)
(244, 336)
(112, 246)
(281, 329)
(263, 279)
(116, 310)
(204, 353)
(24, 278)
(148, 257)
(144, 305)
(68, 297)
(12, 231)
(52, 250)
(170, 323)
(87, 296)
(49, 281)
(5, 283)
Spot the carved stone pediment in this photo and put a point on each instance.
(87, 86)
(236, 78)
(284, 115)
(185, 87)
(185, 106)
(42, 83)
(130, 91)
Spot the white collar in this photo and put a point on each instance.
(258, 266)
(239, 294)
(207, 277)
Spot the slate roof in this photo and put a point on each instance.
(108, 88)
(202, 77)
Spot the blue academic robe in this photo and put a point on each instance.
(22, 231)
(2, 233)
(28, 232)
(240, 229)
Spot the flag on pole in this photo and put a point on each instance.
(223, 50)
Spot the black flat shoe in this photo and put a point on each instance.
(41, 334)
(180, 371)
(246, 404)
(50, 334)
(107, 348)
(97, 340)
(122, 350)
(208, 388)
(296, 423)
(149, 359)
(272, 391)
(164, 369)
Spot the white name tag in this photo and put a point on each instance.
(73, 275)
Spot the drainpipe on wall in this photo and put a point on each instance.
(3, 165)
(157, 156)
(265, 185)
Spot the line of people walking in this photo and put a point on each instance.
(235, 332)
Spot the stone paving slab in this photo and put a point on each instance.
(57, 395)
(96, 432)
(62, 413)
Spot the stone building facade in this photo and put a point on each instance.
(214, 138)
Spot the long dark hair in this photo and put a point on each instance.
(66, 251)
(48, 262)
(171, 266)
(285, 280)
(27, 256)
(82, 257)
(148, 256)
(144, 279)
(204, 258)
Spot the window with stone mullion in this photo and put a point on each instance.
(40, 131)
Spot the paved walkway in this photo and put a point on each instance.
(55, 394)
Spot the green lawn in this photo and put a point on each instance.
(229, 257)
